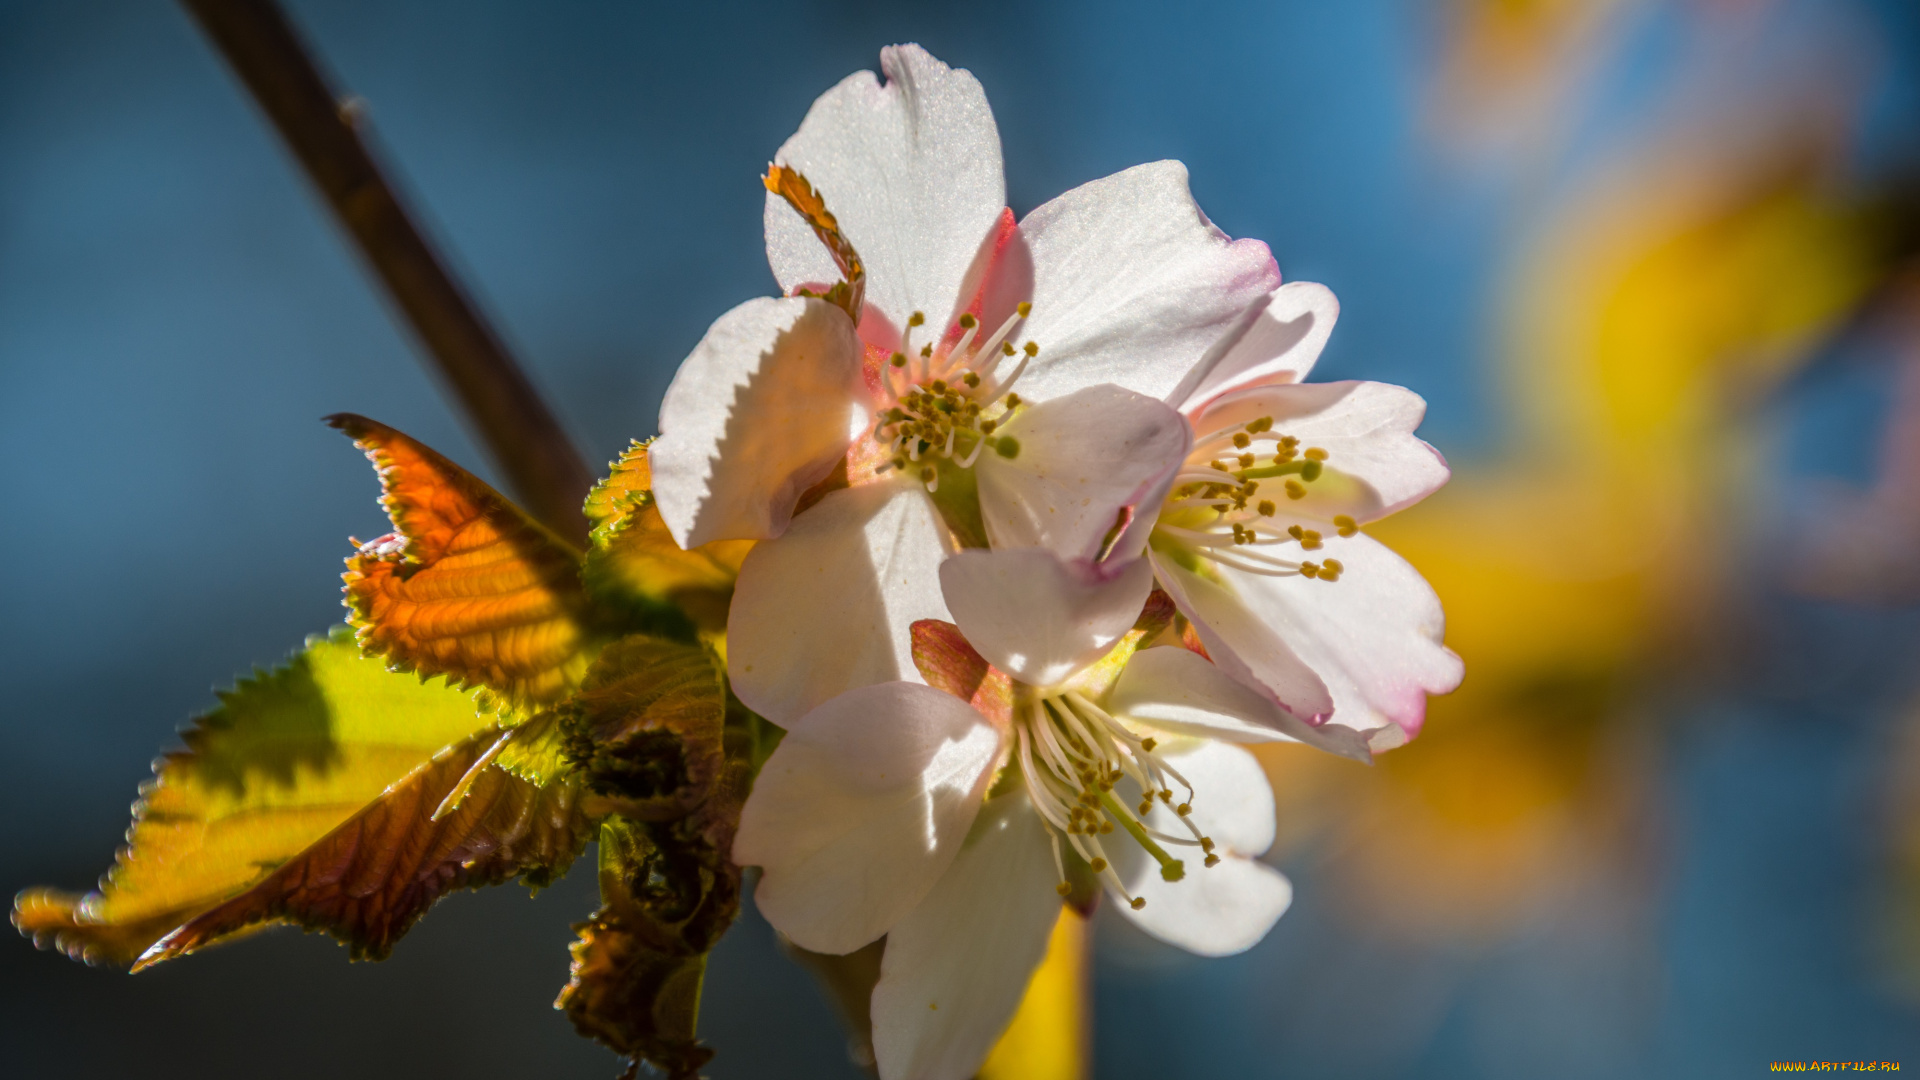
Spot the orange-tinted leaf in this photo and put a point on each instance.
(286, 757)
(468, 585)
(633, 560)
(369, 880)
(649, 731)
(948, 662)
(850, 293)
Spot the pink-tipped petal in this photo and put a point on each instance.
(1132, 283)
(1242, 644)
(956, 966)
(861, 809)
(1278, 341)
(1178, 691)
(761, 411)
(1374, 636)
(911, 170)
(1040, 618)
(830, 605)
(1090, 472)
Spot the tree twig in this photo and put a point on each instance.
(541, 466)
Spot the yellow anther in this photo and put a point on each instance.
(1265, 423)
(1063, 889)
(967, 321)
(1334, 565)
(899, 359)
(1013, 401)
(1032, 348)
(972, 380)
(1296, 532)
(1183, 809)
(1206, 844)
(1146, 807)
(1138, 902)
(1098, 865)
(1246, 461)
(987, 426)
(1166, 795)
(1217, 464)
(1314, 453)
(1006, 347)
(1310, 541)
(939, 386)
(1212, 860)
(1289, 441)
(1242, 440)
(1345, 525)
(1308, 569)
(1025, 308)
(1148, 744)
(916, 319)
(927, 350)
(1266, 508)
(1296, 490)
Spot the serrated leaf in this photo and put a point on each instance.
(849, 294)
(649, 731)
(369, 880)
(535, 751)
(468, 585)
(633, 561)
(286, 758)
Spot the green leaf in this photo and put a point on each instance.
(369, 880)
(286, 758)
(468, 585)
(649, 730)
(634, 564)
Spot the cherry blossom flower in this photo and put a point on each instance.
(972, 403)
(953, 818)
(1261, 544)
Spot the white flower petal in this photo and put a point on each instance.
(1040, 618)
(911, 170)
(761, 411)
(1278, 341)
(1214, 910)
(956, 966)
(1375, 465)
(1220, 910)
(827, 607)
(861, 809)
(1132, 283)
(1083, 461)
(1232, 798)
(1373, 636)
(1241, 644)
(1179, 692)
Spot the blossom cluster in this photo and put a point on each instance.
(1049, 524)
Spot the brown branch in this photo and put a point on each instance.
(539, 462)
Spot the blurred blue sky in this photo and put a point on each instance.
(176, 313)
